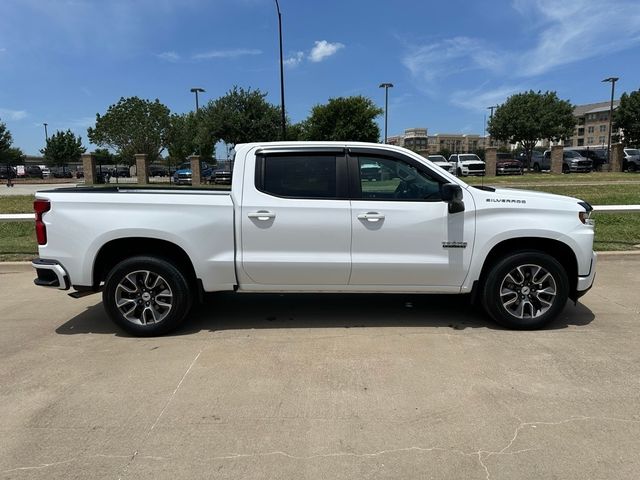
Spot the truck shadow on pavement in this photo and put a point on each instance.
(227, 311)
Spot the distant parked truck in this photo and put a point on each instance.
(465, 164)
(631, 160)
(507, 165)
(572, 162)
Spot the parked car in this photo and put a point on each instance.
(121, 171)
(536, 160)
(158, 171)
(222, 174)
(7, 171)
(507, 165)
(572, 161)
(59, 172)
(442, 162)
(31, 171)
(182, 176)
(467, 164)
(46, 171)
(631, 160)
(597, 155)
(298, 218)
(371, 171)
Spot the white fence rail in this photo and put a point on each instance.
(18, 217)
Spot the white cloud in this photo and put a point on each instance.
(13, 114)
(479, 99)
(579, 29)
(170, 56)
(323, 49)
(451, 56)
(2, 50)
(233, 53)
(557, 34)
(294, 60)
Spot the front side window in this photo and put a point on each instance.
(312, 176)
(393, 179)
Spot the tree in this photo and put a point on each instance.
(344, 119)
(8, 155)
(131, 126)
(181, 137)
(240, 116)
(62, 148)
(531, 116)
(627, 118)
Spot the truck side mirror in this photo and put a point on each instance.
(452, 194)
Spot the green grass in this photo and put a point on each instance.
(16, 204)
(607, 194)
(533, 178)
(17, 241)
(617, 231)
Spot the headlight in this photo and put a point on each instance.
(585, 218)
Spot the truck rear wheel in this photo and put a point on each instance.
(525, 290)
(146, 296)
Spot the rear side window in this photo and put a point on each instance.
(312, 176)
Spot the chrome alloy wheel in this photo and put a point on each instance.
(528, 291)
(143, 297)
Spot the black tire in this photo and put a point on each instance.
(536, 167)
(159, 300)
(631, 167)
(565, 168)
(503, 298)
(459, 172)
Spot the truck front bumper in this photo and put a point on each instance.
(586, 282)
(50, 274)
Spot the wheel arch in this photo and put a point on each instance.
(117, 250)
(558, 250)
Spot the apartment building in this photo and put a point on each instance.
(592, 126)
(419, 140)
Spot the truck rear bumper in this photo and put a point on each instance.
(50, 274)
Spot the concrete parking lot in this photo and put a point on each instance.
(315, 387)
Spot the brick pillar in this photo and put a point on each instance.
(490, 159)
(556, 158)
(617, 157)
(89, 168)
(142, 170)
(196, 170)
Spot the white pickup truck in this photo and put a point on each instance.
(301, 217)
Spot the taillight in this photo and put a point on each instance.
(40, 207)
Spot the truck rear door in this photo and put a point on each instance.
(296, 218)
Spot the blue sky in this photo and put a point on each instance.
(63, 61)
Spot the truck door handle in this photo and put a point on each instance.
(371, 216)
(262, 215)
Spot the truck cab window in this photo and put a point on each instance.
(312, 176)
(392, 179)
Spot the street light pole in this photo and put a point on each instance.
(613, 81)
(196, 90)
(46, 135)
(282, 111)
(386, 87)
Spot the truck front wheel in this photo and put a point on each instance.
(525, 290)
(146, 296)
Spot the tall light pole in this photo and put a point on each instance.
(282, 111)
(613, 81)
(46, 134)
(196, 90)
(386, 87)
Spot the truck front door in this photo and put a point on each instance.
(403, 234)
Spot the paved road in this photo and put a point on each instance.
(315, 387)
